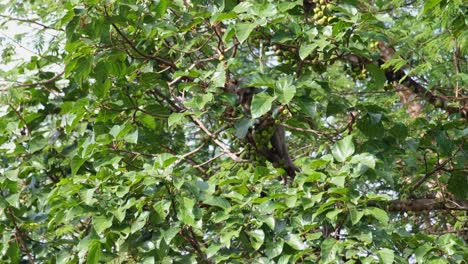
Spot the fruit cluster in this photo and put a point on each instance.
(284, 53)
(359, 73)
(323, 11)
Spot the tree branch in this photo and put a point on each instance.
(18, 114)
(41, 83)
(31, 22)
(19, 236)
(223, 146)
(418, 205)
(132, 45)
(399, 76)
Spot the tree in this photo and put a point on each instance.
(143, 132)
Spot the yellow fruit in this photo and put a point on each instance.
(322, 21)
(323, 2)
(330, 19)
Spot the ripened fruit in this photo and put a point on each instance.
(322, 21)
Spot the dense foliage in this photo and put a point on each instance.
(123, 138)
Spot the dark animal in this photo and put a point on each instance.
(277, 151)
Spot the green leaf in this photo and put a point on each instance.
(242, 7)
(458, 185)
(118, 131)
(170, 233)
(242, 127)
(386, 256)
(185, 211)
(132, 137)
(378, 214)
(284, 259)
(285, 89)
(75, 164)
(295, 242)
(274, 248)
(421, 251)
(256, 237)
(12, 175)
(38, 143)
(162, 209)
(343, 149)
(198, 102)
(328, 250)
(371, 125)
(219, 76)
(332, 215)
(87, 196)
(306, 50)
(13, 252)
(377, 75)
(140, 222)
(162, 7)
(365, 159)
(429, 4)
(261, 104)
(243, 30)
(212, 250)
(175, 119)
(217, 201)
(338, 181)
(13, 200)
(94, 252)
(355, 215)
(101, 223)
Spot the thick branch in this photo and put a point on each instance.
(427, 205)
(399, 76)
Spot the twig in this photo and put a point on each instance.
(190, 160)
(372, 92)
(435, 170)
(20, 236)
(18, 114)
(456, 62)
(210, 160)
(313, 131)
(31, 22)
(223, 146)
(41, 83)
(132, 45)
(190, 153)
(190, 236)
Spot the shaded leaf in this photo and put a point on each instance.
(261, 104)
(343, 149)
